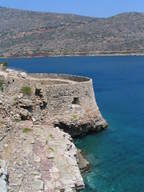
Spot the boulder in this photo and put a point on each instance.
(24, 114)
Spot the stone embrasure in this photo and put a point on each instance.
(40, 157)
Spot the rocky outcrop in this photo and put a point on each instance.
(80, 127)
(83, 164)
(40, 156)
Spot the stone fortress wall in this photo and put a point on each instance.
(67, 100)
(72, 92)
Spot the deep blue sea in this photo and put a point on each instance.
(117, 154)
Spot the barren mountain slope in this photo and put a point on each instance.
(30, 33)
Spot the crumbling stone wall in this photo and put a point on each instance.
(67, 100)
(60, 95)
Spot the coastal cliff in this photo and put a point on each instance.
(39, 115)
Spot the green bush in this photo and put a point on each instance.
(74, 117)
(27, 130)
(26, 90)
(51, 149)
(5, 65)
(1, 84)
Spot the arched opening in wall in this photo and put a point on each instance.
(76, 101)
(38, 92)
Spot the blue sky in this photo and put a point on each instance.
(98, 8)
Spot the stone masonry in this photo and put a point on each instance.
(68, 101)
(36, 111)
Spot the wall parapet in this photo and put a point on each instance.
(60, 76)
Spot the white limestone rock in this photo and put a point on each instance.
(3, 176)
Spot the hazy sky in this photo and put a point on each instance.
(98, 8)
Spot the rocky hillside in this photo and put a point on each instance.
(27, 33)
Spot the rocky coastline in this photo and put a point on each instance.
(39, 115)
(101, 54)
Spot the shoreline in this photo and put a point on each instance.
(84, 55)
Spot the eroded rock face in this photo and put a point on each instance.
(40, 156)
(83, 164)
(83, 126)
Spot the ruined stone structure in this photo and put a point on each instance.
(35, 112)
(67, 100)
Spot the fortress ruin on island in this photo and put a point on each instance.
(67, 100)
(42, 106)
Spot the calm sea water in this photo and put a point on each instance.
(116, 155)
